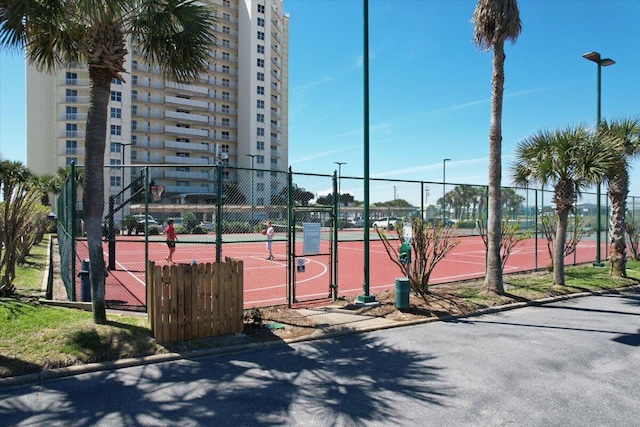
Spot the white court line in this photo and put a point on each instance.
(324, 271)
(122, 267)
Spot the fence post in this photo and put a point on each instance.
(290, 232)
(333, 259)
(218, 212)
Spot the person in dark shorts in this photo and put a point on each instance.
(171, 240)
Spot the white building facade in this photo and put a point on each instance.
(239, 107)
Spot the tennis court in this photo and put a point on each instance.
(265, 281)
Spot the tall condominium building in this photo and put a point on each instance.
(239, 107)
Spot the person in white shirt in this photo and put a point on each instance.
(270, 232)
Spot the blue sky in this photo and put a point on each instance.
(429, 85)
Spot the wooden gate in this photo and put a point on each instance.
(187, 302)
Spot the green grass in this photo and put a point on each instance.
(35, 336)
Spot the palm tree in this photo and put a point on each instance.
(625, 134)
(175, 35)
(570, 160)
(495, 21)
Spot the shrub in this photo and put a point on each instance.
(180, 229)
(199, 230)
(154, 230)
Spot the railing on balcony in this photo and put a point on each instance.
(275, 100)
(75, 99)
(186, 131)
(186, 160)
(275, 62)
(275, 88)
(72, 134)
(69, 151)
(186, 116)
(72, 116)
(181, 189)
(186, 175)
(186, 102)
(191, 146)
(76, 82)
(187, 87)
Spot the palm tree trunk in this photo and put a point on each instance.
(617, 244)
(93, 194)
(558, 249)
(493, 279)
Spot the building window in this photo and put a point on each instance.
(116, 95)
(260, 104)
(182, 154)
(71, 95)
(260, 118)
(260, 8)
(225, 136)
(226, 69)
(71, 78)
(134, 79)
(226, 30)
(226, 82)
(274, 162)
(260, 160)
(260, 145)
(260, 201)
(260, 22)
(260, 63)
(260, 48)
(226, 17)
(115, 162)
(134, 124)
(226, 122)
(72, 130)
(226, 95)
(226, 56)
(224, 148)
(71, 147)
(225, 109)
(260, 90)
(115, 81)
(116, 130)
(260, 131)
(72, 113)
(134, 139)
(115, 181)
(226, 3)
(260, 76)
(115, 147)
(68, 160)
(116, 113)
(182, 183)
(260, 35)
(134, 110)
(226, 43)
(260, 186)
(260, 174)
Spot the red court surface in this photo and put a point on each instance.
(265, 281)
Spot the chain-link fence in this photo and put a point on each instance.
(209, 228)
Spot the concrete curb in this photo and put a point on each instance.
(328, 333)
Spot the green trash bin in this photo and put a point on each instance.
(402, 293)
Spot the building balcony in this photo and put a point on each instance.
(187, 175)
(72, 117)
(187, 88)
(276, 37)
(72, 134)
(276, 24)
(186, 160)
(275, 100)
(186, 131)
(276, 88)
(276, 11)
(229, 58)
(150, 84)
(275, 74)
(76, 82)
(189, 146)
(275, 140)
(138, 112)
(225, 97)
(67, 151)
(74, 99)
(276, 154)
(221, 123)
(186, 117)
(276, 115)
(221, 110)
(186, 102)
(275, 62)
(275, 127)
(146, 143)
(139, 127)
(146, 68)
(155, 99)
(181, 189)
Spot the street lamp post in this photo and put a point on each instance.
(339, 191)
(444, 180)
(600, 62)
(252, 186)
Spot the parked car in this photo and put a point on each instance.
(385, 222)
(141, 220)
(354, 223)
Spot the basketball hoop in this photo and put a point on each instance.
(156, 192)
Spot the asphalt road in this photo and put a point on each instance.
(571, 363)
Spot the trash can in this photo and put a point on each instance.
(85, 284)
(402, 293)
